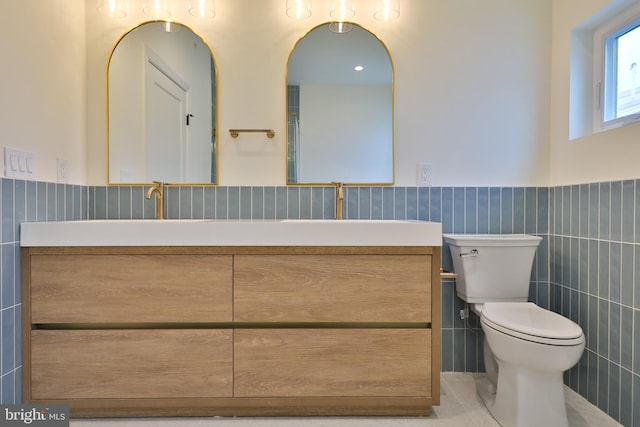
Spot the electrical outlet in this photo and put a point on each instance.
(63, 171)
(424, 174)
(464, 313)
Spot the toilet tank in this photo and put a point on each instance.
(492, 267)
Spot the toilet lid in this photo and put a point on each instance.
(528, 321)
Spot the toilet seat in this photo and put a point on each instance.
(529, 322)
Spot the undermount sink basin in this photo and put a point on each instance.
(205, 232)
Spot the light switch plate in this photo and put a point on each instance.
(19, 164)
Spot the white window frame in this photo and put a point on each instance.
(604, 70)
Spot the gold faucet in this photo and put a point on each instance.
(339, 198)
(158, 188)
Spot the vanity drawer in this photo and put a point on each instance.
(129, 364)
(332, 362)
(130, 288)
(332, 288)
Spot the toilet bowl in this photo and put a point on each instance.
(527, 348)
(532, 347)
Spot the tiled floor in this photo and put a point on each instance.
(460, 407)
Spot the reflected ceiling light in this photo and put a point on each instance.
(170, 27)
(386, 10)
(205, 9)
(342, 10)
(157, 9)
(359, 68)
(298, 9)
(112, 8)
(340, 27)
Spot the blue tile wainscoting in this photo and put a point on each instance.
(594, 273)
(586, 267)
(25, 201)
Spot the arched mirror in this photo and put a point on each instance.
(340, 108)
(161, 84)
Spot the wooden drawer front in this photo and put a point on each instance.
(332, 288)
(131, 288)
(131, 363)
(332, 362)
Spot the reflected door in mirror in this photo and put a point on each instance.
(166, 133)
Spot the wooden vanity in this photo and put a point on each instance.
(232, 330)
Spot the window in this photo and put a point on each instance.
(618, 72)
(621, 89)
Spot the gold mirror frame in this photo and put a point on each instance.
(332, 181)
(214, 102)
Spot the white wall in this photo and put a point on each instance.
(605, 156)
(471, 87)
(42, 106)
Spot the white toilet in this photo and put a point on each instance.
(526, 348)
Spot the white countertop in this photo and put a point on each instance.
(231, 233)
